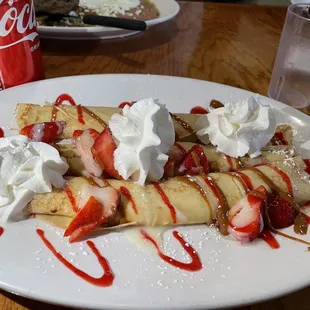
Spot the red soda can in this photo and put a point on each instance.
(20, 54)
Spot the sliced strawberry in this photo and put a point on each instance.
(77, 133)
(278, 139)
(90, 216)
(307, 164)
(84, 143)
(95, 212)
(169, 169)
(245, 218)
(195, 162)
(103, 151)
(177, 153)
(280, 212)
(43, 132)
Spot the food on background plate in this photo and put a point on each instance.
(55, 6)
(93, 169)
(70, 13)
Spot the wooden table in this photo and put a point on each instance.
(225, 43)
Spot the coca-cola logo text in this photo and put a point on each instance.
(22, 21)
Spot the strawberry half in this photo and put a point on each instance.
(169, 169)
(245, 218)
(84, 143)
(43, 132)
(195, 162)
(280, 212)
(103, 151)
(77, 133)
(93, 213)
(177, 153)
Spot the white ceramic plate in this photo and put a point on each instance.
(167, 10)
(232, 274)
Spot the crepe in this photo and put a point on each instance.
(93, 117)
(98, 117)
(195, 199)
(218, 161)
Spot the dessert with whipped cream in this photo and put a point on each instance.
(140, 164)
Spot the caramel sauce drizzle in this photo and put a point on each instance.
(289, 237)
(299, 223)
(222, 207)
(237, 177)
(182, 122)
(54, 114)
(197, 187)
(95, 117)
(215, 104)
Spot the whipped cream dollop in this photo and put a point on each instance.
(26, 168)
(145, 133)
(239, 128)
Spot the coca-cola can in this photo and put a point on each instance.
(20, 54)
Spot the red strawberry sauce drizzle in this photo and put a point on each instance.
(127, 194)
(166, 201)
(1, 231)
(80, 110)
(123, 104)
(71, 198)
(230, 162)
(246, 179)
(65, 97)
(194, 265)
(1, 133)
(267, 236)
(283, 175)
(105, 280)
(198, 110)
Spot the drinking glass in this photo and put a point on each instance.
(290, 80)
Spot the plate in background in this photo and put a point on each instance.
(167, 10)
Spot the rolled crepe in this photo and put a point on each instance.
(192, 200)
(218, 161)
(97, 118)
(93, 117)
